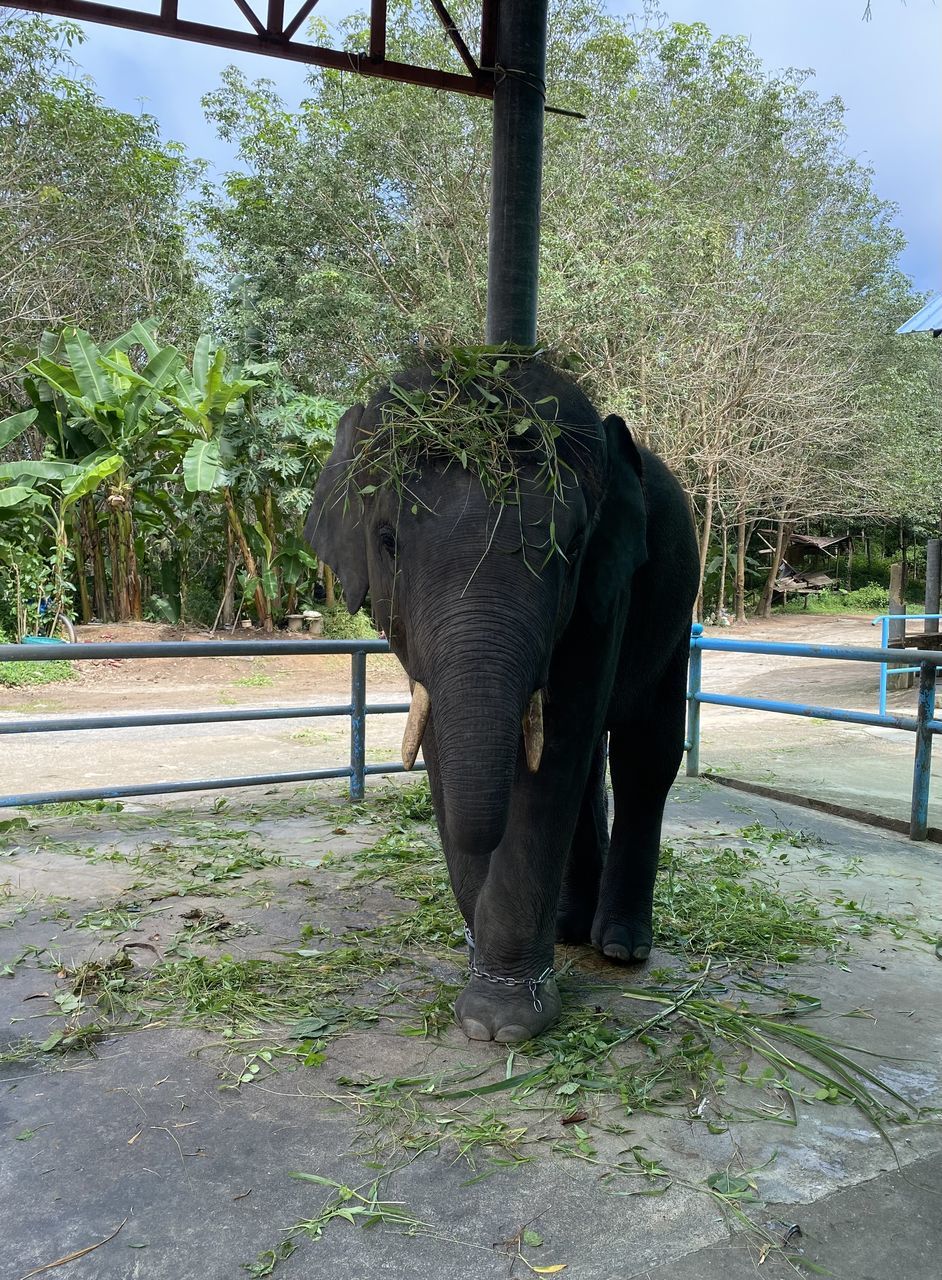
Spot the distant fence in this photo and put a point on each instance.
(356, 710)
(923, 724)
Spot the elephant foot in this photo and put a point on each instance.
(625, 943)
(574, 923)
(486, 1011)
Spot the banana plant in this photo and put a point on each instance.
(101, 412)
(209, 397)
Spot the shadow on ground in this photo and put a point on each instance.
(227, 1037)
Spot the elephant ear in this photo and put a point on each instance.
(618, 546)
(334, 525)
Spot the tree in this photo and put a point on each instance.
(723, 270)
(92, 221)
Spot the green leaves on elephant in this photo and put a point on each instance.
(470, 409)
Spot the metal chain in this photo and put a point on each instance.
(532, 984)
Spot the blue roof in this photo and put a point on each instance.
(928, 320)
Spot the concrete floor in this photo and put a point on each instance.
(140, 1131)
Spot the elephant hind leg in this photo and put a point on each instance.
(644, 755)
(579, 895)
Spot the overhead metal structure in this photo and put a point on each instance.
(927, 320)
(274, 26)
(509, 68)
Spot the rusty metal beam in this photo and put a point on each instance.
(464, 53)
(298, 18)
(248, 13)
(165, 24)
(275, 22)
(378, 30)
(489, 34)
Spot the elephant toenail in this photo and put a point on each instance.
(615, 951)
(513, 1033)
(475, 1030)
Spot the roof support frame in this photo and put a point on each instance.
(274, 36)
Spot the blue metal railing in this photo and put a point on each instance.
(885, 619)
(923, 724)
(357, 710)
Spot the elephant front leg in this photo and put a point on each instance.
(511, 993)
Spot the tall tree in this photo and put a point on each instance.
(92, 219)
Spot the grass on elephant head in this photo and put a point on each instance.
(474, 416)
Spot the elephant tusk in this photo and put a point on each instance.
(415, 725)
(533, 731)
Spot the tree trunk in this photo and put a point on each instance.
(248, 559)
(705, 534)
(133, 576)
(850, 563)
(765, 605)
(228, 597)
(740, 596)
(99, 573)
(78, 544)
(330, 594)
(724, 554)
(272, 535)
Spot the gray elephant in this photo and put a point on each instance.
(543, 626)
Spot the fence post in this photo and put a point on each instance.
(357, 724)
(884, 644)
(694, 673)
(922, 767)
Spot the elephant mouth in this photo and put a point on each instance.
(420, 709)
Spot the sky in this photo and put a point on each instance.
(887, 71)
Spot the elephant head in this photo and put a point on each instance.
(474, 587)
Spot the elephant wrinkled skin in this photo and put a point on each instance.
(483, 613)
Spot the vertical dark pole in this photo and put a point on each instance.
(922, 767)
(517, 171)
(694, 679)
(933, 582)
(357, 724)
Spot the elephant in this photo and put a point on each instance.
(541, 646)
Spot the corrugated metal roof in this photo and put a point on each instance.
(928, 320)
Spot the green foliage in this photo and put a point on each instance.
(20, 675)
(473, 415)
(341, 625)
(94, 200)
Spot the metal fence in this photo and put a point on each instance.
(923, 724)
(357, 710)
(885, 620)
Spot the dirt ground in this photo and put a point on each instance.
(868, 769)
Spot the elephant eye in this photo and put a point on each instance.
(386, 537)
(574, 550)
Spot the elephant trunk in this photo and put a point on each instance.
(478, 735)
